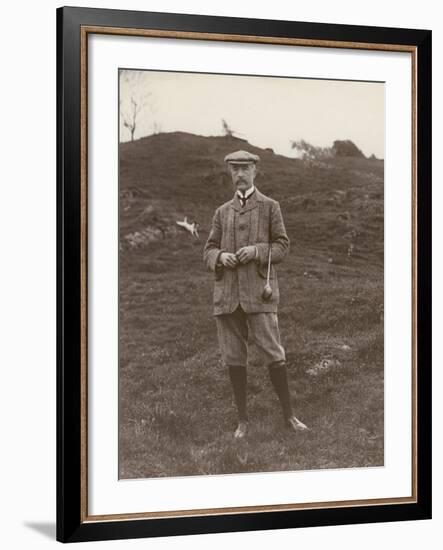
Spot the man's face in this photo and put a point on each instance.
(242, 175)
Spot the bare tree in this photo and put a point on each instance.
(226, 128)
(134, 85)
(228, 131)
(131, 122)
(307, 151)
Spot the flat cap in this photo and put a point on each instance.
(241, 157)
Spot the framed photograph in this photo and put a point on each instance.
(244, 274)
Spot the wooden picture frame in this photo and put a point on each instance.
(74, 26)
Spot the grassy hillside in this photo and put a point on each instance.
(176, 411)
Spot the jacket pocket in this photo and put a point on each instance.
(263, 271)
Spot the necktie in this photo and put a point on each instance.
(244, 199)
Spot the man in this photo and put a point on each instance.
(248, 232)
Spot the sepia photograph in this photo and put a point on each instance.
(251, 274)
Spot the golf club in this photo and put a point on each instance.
(267, 291)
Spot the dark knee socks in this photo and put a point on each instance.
(237, 375)
(279, 377)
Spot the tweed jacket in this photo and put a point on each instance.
(258, 223)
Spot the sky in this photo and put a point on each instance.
(266, 111)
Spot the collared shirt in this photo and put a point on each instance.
(246, 195)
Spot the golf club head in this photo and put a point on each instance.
(267, 292)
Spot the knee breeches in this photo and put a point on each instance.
(237, 328)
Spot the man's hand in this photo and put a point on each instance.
(246, 254)
(228, 259)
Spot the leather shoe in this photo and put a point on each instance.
(241, 430)
(296, 425)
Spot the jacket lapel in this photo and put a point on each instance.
(251, 203)
(236, 204)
